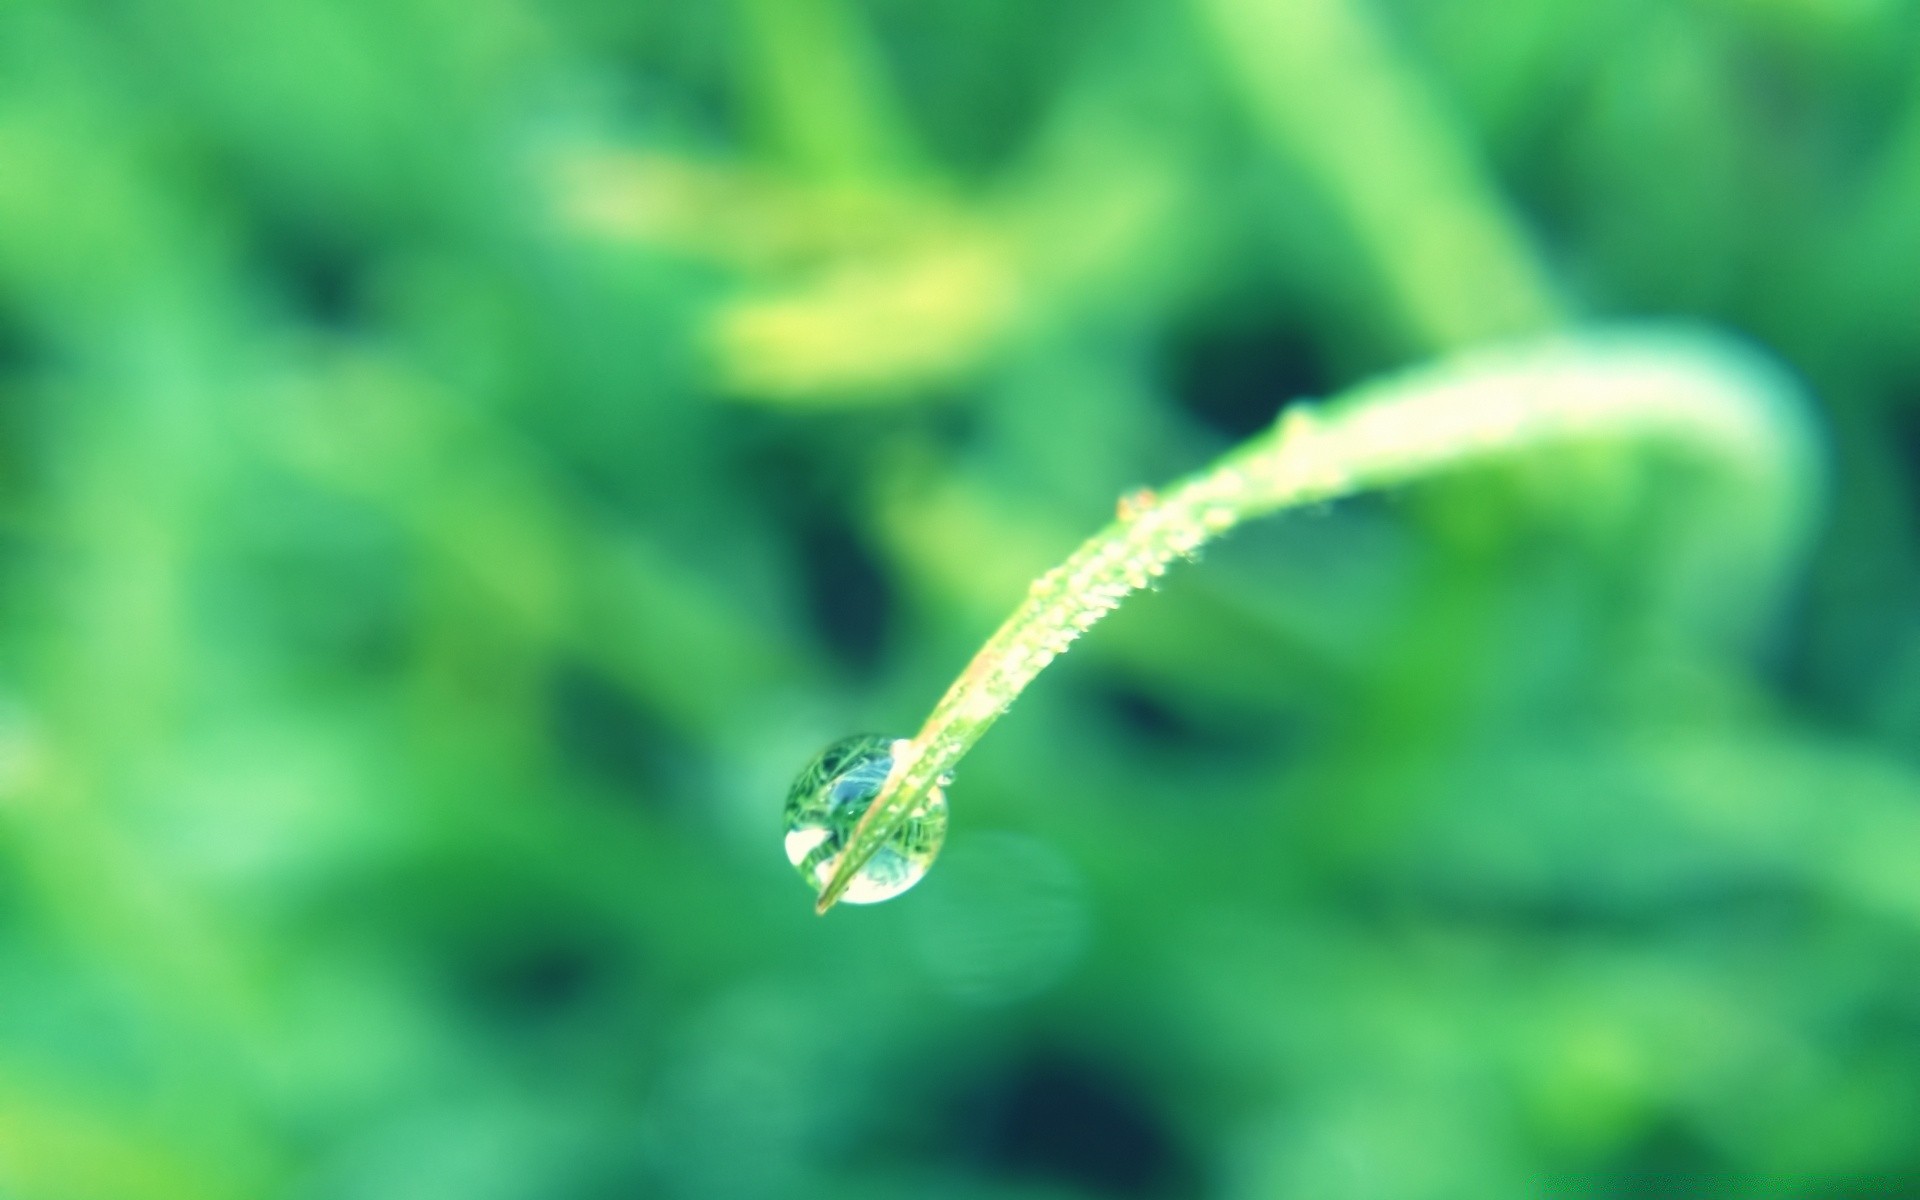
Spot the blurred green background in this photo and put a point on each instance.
(459, 460)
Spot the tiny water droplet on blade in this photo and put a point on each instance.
(827, 801)
(1136, 503)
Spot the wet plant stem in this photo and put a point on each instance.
(1715, 402)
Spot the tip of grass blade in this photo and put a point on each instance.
(886, 812)
(842, 877)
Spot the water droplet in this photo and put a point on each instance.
(1136, 503)
(828, 800)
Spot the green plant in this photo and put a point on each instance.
(1729, 412)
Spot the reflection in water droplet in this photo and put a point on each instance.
(828, 800)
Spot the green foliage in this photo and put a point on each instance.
(457, 462)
